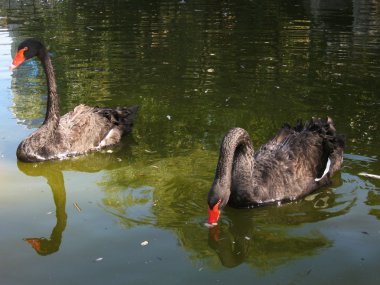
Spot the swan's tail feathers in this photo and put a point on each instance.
(333, 143)
(121, 117)
(127, 117)
(322, 126)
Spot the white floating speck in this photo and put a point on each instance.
(109, 151)
(144, 243)
(365, 174)
(168, 117)
(247, 238)
(99, 259)
(210, 70)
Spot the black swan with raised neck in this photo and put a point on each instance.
(297, 161)
(80, 131)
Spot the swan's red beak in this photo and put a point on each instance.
(214, 213)
(19, 58)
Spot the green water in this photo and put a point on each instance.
(196, 68)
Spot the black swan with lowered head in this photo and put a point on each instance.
(82, 130)
(297, 161)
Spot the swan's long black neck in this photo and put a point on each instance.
(235, 141)
(52, 114)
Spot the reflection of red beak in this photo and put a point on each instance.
(35, 243)
(213, 214)
(214, 231)
(19, 58)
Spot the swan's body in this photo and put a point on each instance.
(82, 130)
(294, 163)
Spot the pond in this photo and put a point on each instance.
(135, 215)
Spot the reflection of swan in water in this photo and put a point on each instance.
(42, 245)
(52, 171)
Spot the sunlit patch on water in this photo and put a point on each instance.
(132, 206)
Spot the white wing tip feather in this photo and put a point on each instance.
(327, 169)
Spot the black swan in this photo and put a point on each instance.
(297, 161)
(82, 130)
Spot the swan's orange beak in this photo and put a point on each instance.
(214, 213)
(19, 58)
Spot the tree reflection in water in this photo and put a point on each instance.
(165, 194)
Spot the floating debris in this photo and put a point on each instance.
(168, 117)
(77, 207)
(110, 151)
(144, 243)
(99, 259)
(150, 151)
(247, 238)
(210, 70)
(365, 174)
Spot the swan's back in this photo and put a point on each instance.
(80, 131)
(289, 166)
(88, 128)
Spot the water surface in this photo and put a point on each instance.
(196, 68)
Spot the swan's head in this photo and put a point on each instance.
(217, 199)
(26, 50)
